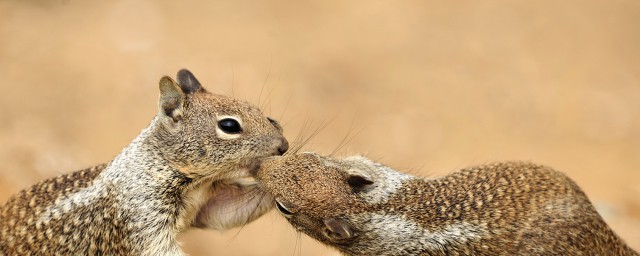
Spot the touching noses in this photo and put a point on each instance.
(284, 146)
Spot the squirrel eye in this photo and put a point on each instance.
(286, 212)
(229, 125)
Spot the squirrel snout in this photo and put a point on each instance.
(284, 146)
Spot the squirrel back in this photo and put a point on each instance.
(365, 208)
(188, 168)
(22, 230)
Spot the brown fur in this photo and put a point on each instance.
(509, 208)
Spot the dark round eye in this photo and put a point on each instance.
(283, 209)
(229, 125)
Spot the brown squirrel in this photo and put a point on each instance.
(188, 168)
(365, 208)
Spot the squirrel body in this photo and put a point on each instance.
(168, 179)
(365, 208)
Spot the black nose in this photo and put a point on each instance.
(284, 146)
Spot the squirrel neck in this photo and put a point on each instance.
(142, 165)
(424, 210)
(143, 158)
(147, 189)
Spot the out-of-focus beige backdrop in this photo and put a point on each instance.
(424, 86)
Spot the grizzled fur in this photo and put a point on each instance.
(181, 171)
(364, 208)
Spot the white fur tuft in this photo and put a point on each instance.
(385, 180)
(392, 228)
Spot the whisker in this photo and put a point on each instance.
(286, 123)
(299, 138)
(304, 139)
(268, 99)
(233, 81)
(295, 246)
(315, 133)
(343, 138)
(255, 192)
(354, 136)
(266, 79)
(299, 239)
(286, 106)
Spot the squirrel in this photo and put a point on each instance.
(188, 168)
(361, 207)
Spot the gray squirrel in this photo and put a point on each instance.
(188, 168)
(361, 207)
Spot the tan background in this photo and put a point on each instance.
(424, 86)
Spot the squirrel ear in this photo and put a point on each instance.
(171, 99)
(337, 231)
(188, 82)
(359, 183)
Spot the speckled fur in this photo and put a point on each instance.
(511, 208)
(167, 180)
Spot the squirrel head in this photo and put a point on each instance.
(203, 134)
(326, 197)
(213, 140)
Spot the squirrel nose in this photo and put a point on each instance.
(284, 146)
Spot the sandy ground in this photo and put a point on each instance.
(424, 86)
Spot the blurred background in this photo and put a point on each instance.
(426, 87)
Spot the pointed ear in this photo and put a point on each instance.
(359, 183)
(338, 231)
(188, 82)
(171, 99)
